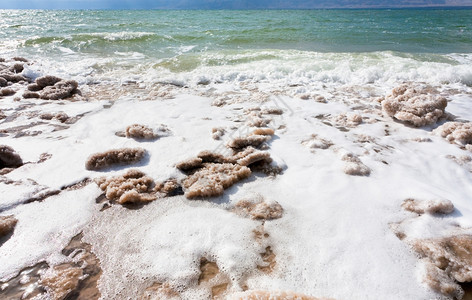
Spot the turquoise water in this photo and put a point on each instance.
(185, 41)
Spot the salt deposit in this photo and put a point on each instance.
(429, 206)
(456, 132)
(7, 224)
(415, 105)
(9, 158)
(259, 209)
(123, 156)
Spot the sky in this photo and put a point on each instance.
(221, 4)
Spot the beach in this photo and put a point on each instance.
(321, 154)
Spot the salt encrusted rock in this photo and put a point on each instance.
(354, 165)
(160, 291)
(18, 58)
(123, 156)
(132, 187)
(34, 87)
(251, 140)
(7, 92)
(259, 209)
(3, 82)
(456, 132)
(212, 157)
(43, 82)
(31, 95)
(61, 280)
(7, 225)
(418, 106)
(9, 158)
(213, 179)
(263, 131)
(448, 259)
(251, 155)
(60, 90)
(17, 68)
(272, 111)
(12, 77)
(138, 131)
(428, 206)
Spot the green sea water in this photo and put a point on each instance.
(195, 40)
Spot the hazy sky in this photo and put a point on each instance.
(215, 4)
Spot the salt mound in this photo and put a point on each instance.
(418, 106)
(138, 131)
(456, 132)
(3, 82)
(316, 142)
(123, 156)
(354, 165)
(250, 156)
(9, 158)
(132, 187)
(31, 95)
(19, 58)
(250, 140)
(449, 257)
(270, 295)
(168, 188)
(7, 224)
(428, 206)
(213, 179)
(259, 209)
(272, 111)
(17, 68)
(60, 281)
(158, 291)
(60, 90)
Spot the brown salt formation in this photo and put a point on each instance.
(251, 156)
(449, 261)
(263, 131)
(17, 68)
(7, 225)
(60, 116)
(217, 133)
(211, 278)
(189, 164)
(123, 156)
(316, 142)
(61, 280)
(168, 188)
(347, 120)
(19, 58)
(256, 121)
(140, 132)
(272, 111)
(7, 92)
(132, 187)
(271, 295)
(417, 106)
(259, 209)
(456, 132)
(428, 206)
(9, 158)
(212, 157)
(213, 179)
(160, 291)
(354, 165)
(250, 140)
(60, 90)
(268, 257)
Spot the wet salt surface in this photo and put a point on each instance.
(334, 227)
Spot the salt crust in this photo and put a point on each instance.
(456, 132)
(138, 131)
(7, 224)
(316, 142)
(415, 105)
(250, 140)
(347, 120)
(123, 156)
